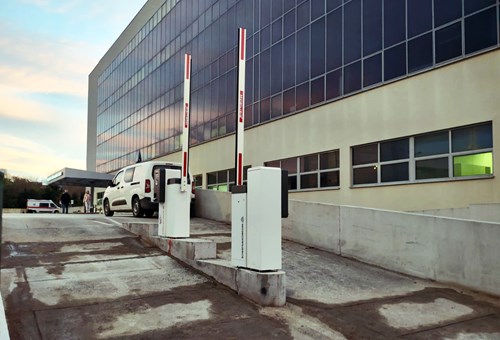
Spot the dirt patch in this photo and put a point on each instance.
(363, 320)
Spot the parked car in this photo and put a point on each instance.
(42, 206)
(132, 189)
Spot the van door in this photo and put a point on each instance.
(115, 196)
(129, 185)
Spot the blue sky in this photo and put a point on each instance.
(47, 50)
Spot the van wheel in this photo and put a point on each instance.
(107, 210)
(136, 207)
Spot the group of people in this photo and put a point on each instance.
(66, 200)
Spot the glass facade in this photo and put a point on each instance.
(299, 54)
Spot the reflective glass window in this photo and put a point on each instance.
(277, 31)
(265, 38)
(290, 165)
(432, 144)
(292, 182)
(449, 42)
(265, 73)
(471, 6)
(432, 168)
(352, 78)
(277, 8)
(276, 106)
(372, 70)
(352, 31)
(365, 154)
(446, 11)
(276, 61)
(302, 96)
(365, 175)
(481, 31)
(265, 110)
(329, 179)
(395, 62)
(332, 4)
(394, 172)
(288, 5)
(309, 163)
(393, 150)
(420, 53)
(317, 90)
(334, 40)
(472, 138)
(289, 23)
(318, 48)
(317, 9)
(265, 13)
(303, 55)
(309, 181)
(473, 165)
(419, 17)
(289, 101)
(334, 84)
(329, 160)
(372, 26)
(303, 14)
(394, 22)
(288, 62)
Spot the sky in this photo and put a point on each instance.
(47, 50)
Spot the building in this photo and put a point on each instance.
(380, 103)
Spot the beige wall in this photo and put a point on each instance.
(462, 93)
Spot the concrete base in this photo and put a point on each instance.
(264, 288)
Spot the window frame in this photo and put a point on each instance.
(299, 173)
(412, 160)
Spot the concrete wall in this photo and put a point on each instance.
(458, 251)
(479, 212)
(214, 205)
(463, 252)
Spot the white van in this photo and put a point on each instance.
(42, 206)
(132, 189)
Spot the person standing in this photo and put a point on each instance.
(65, 200)
(87, 201)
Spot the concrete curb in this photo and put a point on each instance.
(264, 288)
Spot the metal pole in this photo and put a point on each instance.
(240, 119)
(185, 125)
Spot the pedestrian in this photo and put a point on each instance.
(65, 200)
(87, 201)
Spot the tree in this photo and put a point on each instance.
(18, 190)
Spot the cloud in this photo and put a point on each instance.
(37, 63)
(47, 50)
(31, 158)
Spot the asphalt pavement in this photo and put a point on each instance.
(82, 276)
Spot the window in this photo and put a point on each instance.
(315, 171)
(129, 175)
(223, 180)
(481, 31)
(455, 153)
(198, 181)
(449, 42)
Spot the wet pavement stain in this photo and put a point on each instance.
(52, 253)
(363, 320)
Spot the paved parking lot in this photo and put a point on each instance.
(83, 277)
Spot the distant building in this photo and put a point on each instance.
(382, 103)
